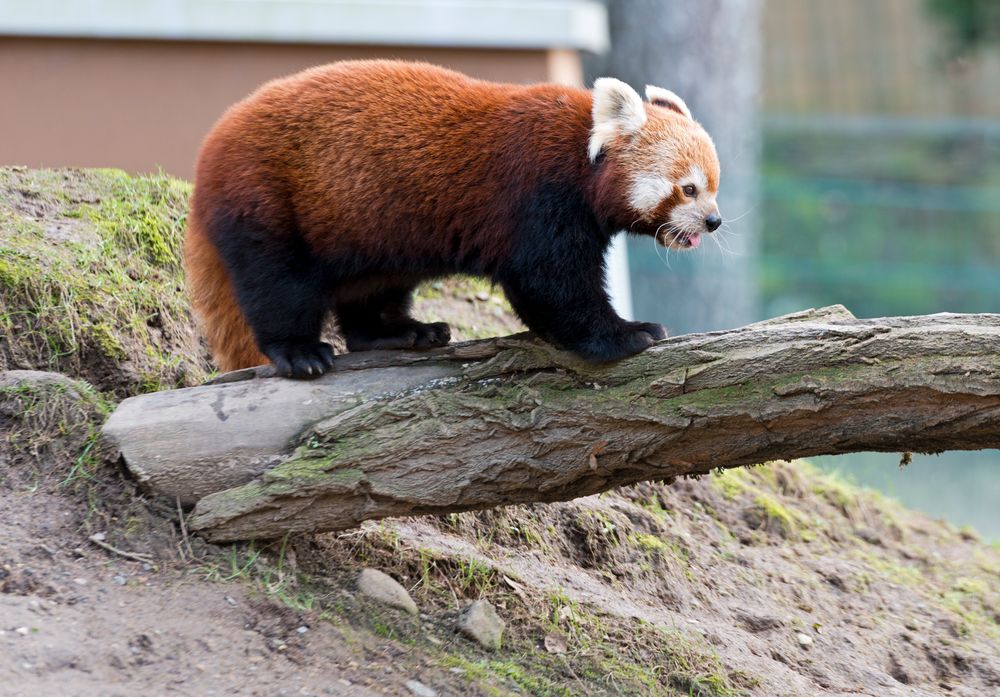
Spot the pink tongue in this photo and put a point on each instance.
(694, 240)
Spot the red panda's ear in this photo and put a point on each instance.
(617, 109)
(666, 98)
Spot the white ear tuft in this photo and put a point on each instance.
(666, 98)
(617, 109)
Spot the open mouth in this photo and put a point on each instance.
(680, 240)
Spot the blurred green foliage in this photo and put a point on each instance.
(971, 24)
(887, 222)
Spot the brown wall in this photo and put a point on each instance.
(140, 105)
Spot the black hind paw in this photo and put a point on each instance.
(409, 335)
(433, 334)
(300, 359)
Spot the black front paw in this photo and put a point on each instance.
(657, 331)
(626, 340)
(299, 359)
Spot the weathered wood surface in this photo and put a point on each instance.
(513, 420)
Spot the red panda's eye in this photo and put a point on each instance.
(690, 190)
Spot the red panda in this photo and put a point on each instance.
(342, 187)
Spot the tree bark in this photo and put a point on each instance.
(513, 420)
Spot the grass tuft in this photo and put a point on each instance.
(90, 278)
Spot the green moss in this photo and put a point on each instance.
(102, 295)
(730, 482)
(145, 214)
(649, 542)
(476, 578)
(775, 511)
(661, 663)
(456, 287)
(54, 423)
(492, 676)
(601, 523)
(895, 572)
(835, 490)
(976, 603)
(971, 586)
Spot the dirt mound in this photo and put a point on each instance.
(766, 581)
(90, 279)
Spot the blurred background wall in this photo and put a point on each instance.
(136, 84)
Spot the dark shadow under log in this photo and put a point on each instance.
(512, 420)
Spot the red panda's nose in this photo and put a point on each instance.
(713, 222)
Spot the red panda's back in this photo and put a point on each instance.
(349, 147)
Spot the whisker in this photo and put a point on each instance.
(723, 243)
(748, 212)
(722, 250)
(656, 250)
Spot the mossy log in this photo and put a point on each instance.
(513, 420)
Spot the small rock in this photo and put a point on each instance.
(759, 622)
(80, 581)
(120, 580)
(302, 630)
(420, 690)
(482, 295)
(384, 588)
(868, 535)
(481, 622)
(804, 639)
(555, 643)
(23, 631)
(231, 601)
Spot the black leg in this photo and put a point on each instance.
(382, 321)
(554, 280)
(577, 316)
(282, 291)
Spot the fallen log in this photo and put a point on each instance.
(513, 420)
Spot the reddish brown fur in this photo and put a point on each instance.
(341, 151)
(391, 161)
(228, 334)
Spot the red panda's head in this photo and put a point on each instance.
(664, 163)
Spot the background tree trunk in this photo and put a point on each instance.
(512, 420)
(708, 52)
